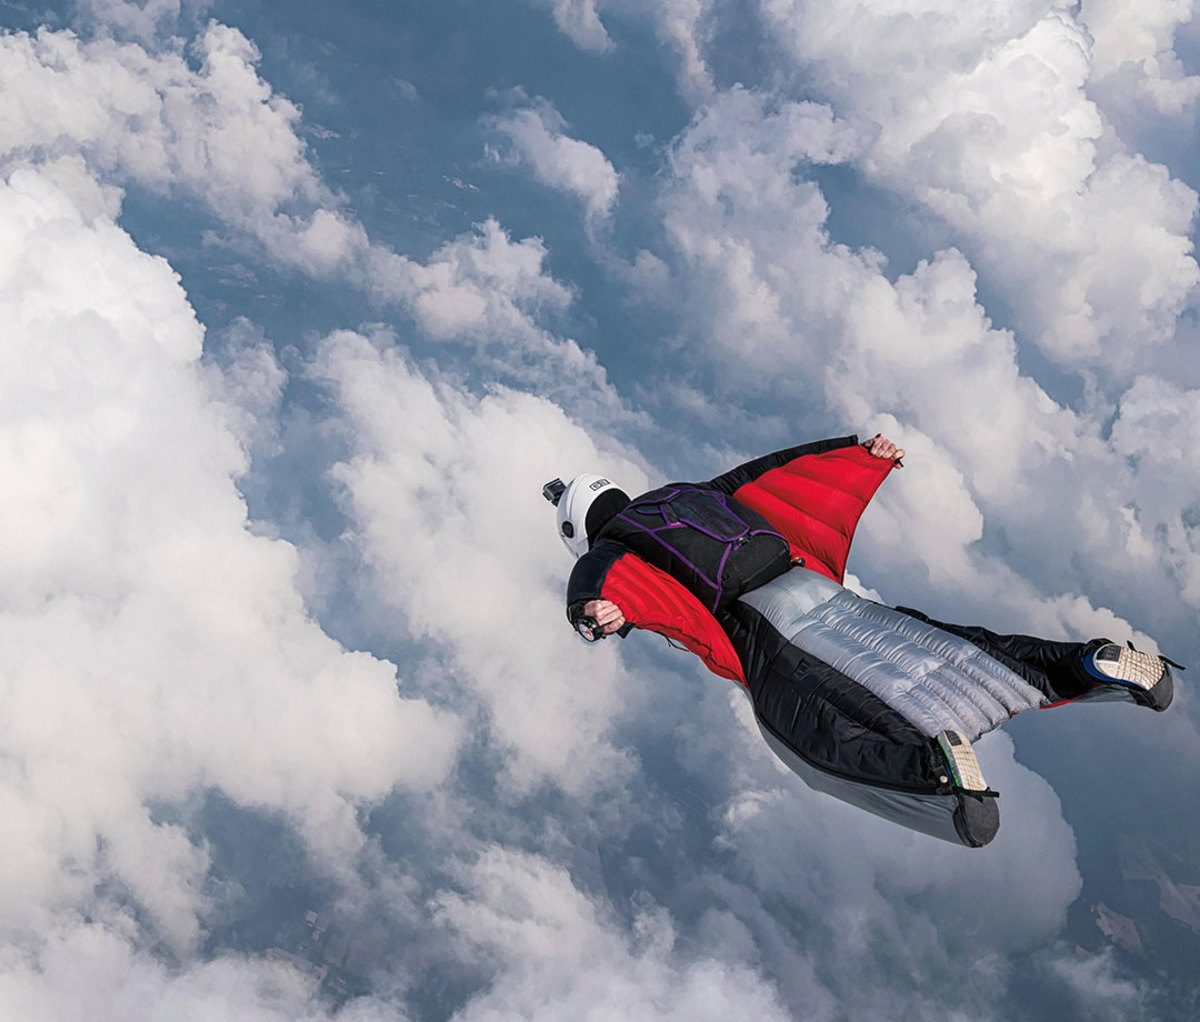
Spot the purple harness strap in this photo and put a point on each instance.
(732, 538)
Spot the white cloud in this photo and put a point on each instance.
(778, 307)
(146, 20)
(175, 654)
(218, 130)
(579, 20)
(987, 122)
(100, 112)
(1096, 987)
(97, 972)
(882, 902)
(681, 25)
(1135, 69)
(562, 958)
(490, 293)
(153, 646)
(538, 136)
(148, 118)
(444, 492)
(1158, 432)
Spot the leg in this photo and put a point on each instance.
(846, 742)
(1098, 669)
(1054, 668)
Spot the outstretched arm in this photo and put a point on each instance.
(815, 493)
(621, 591)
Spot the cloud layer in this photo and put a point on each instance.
(512, 824)
(155, 645)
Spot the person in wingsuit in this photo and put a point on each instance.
(874, 705)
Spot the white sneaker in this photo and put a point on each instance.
(1146, 677)
(960, 757)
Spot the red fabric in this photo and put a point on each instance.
(652, 599)
(816, 501)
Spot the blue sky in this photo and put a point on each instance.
(302, 307)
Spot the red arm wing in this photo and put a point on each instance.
(816, 501)
(653, 600)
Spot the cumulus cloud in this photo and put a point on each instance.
(144, 20)
(487, 291)
(100, 114)
(1156, 432)
(683, 26)
(155, 647)
(988, 123)
(579, 20)
(886, 906)
(564, 958)
(1099, 991)
(99, 972)
(780, 307)
(218, 130)
(444, 493)
(538, 137)
(1136, 72)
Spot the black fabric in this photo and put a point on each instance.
(1053, 668)
(587, 577)
(977, 818)
(609, 503)
(747, 472)
(827, 719)
(710, 543)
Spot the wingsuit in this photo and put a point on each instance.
(871, 704)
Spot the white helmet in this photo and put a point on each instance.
(575, 500)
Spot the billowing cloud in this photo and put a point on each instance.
(683, 26)
(155, 645)
(152, 119)
(885, 903)
(579, 20)
(564, 958)
(779, 305)
(490, 293)
(99, 114)
(444, 493)
(144, 20)
(88, 970)
(570, 831)
(538, 137)
(987, 122)
(1135, 68)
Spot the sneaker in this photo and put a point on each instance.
(1143, 677)
(976, 816)
(960, 758)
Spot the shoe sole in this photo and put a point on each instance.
(960, 757)
(1129, 666)
(1147, 677)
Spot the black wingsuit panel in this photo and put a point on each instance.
(827, 719)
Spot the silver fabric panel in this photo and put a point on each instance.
(936, 680)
